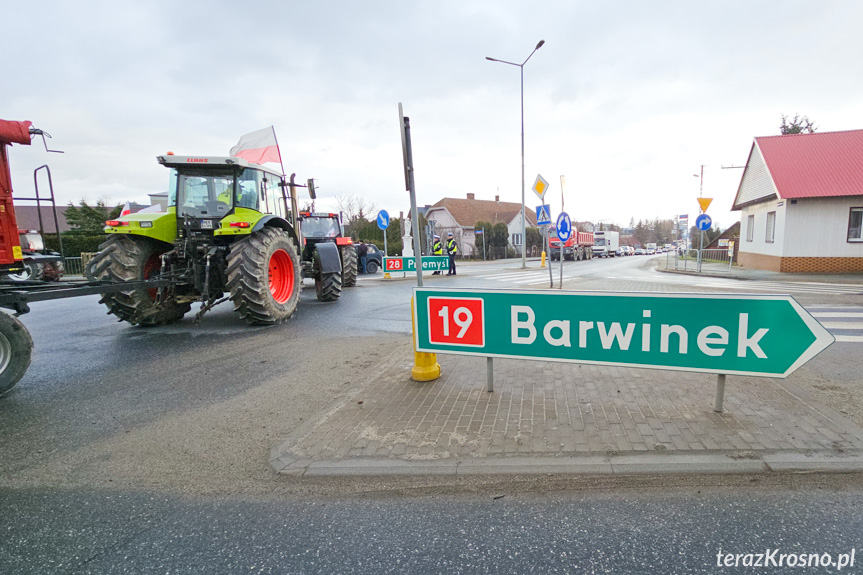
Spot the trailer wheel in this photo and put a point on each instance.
(131, 258)
(349, 266)
(264, 277)
(32, 272)
(16, 347)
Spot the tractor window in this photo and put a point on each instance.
(315, 227)
(248, 189)
(274, 195)
(205, 193)
(172, 188)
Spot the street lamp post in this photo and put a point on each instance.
(521, 68)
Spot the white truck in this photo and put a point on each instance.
(605, 244)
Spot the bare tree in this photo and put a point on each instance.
(355, 207)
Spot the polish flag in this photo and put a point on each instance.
(258, 147)
(127, 209)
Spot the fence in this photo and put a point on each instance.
(73, 267)
(719, 260)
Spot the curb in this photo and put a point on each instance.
(717, 463)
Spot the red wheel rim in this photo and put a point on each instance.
(281, 271)
(151, 268)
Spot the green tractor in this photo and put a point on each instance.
(230, 227)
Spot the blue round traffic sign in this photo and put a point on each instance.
(564, 226)
(383, 219)
(703, 222)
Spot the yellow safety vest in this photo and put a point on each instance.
(437, 248)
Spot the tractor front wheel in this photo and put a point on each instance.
(16, 346)
(328, 286)
(264, 277)
(126, 257)
(349, 265)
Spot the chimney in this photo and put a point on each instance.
(471, 196)
(497, 198)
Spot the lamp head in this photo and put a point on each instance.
(538, 46)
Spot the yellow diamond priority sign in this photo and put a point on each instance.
(540, 186)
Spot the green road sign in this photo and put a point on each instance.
(430, 263)
(759, 335)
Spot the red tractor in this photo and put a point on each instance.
(324, 227)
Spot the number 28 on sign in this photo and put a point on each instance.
(456, 321)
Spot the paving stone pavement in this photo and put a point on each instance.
(563, 410)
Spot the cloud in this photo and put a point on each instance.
(626, 99)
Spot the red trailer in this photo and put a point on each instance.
(579, 246)
(11, 256)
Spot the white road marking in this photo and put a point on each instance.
(842, 324)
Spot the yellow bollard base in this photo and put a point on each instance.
(387, 276)
(426, 367)
(542, 265)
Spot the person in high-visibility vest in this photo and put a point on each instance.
(437, 250)
(451, 250)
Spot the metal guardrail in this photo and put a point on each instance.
(73, 267)
(716, 260)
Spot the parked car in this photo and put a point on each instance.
(374, 259)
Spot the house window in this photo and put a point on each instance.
(855, 225)
(771, 227)
(750, 228)
(516, 239)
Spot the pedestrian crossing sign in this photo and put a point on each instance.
(543, 215)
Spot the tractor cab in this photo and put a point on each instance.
(205, 190)
(322, 227)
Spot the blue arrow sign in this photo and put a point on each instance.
(564, 226)
(543, 215)
(383, 219)
(703, 222)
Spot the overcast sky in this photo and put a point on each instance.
(626, 99)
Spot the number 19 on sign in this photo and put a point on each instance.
(456, 321)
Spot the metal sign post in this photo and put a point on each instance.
(548, 250)
(426, 367)
(703, 222)
(407, 154)
(383, 224)
(564, 230)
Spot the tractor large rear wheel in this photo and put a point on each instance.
(16, 346)
(264, 277)
(133, 258)
(349, 266)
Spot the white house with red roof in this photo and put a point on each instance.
(460, 216)
(801, 198)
